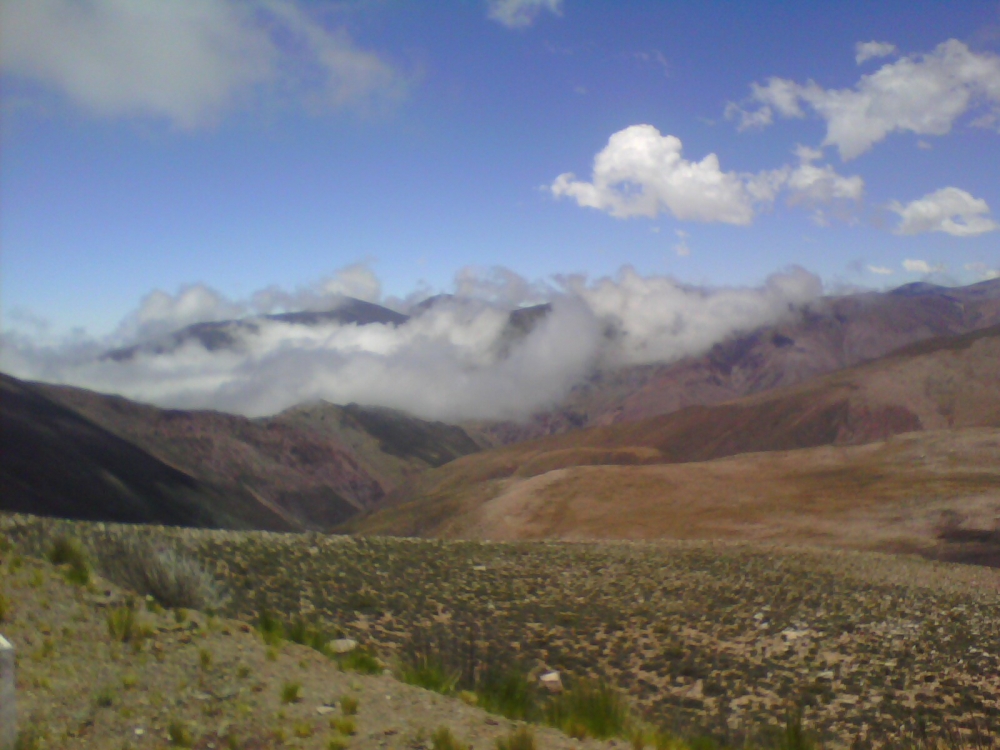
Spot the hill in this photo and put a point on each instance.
(314, 466)
(831, 334)
(660, 478)
(56, 462)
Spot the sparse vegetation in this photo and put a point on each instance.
(589, 709)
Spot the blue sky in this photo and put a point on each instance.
(155, 145)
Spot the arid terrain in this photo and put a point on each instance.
(704, 637)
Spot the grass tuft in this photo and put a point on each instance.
(66, 550)
(359, 661)
(291, 692)
(349, 705)
(122, 625)
(180, 735)
(430, 673)
(522, 738)
(444, 739)
(590, 709)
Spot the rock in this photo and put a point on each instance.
(551, 682)
(343, 645)
(323, 710)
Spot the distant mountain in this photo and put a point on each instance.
(947, 383)
(226, 334)
(315, 465)
(55, 462)
(828, 335)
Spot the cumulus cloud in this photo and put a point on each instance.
(864, 51)
(880, 270)
(913, 265)
(922, 94)
(188, 62)
(948, 210)
(454, 360)
(643, 173)
(518, 14)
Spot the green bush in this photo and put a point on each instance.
(591, 709)
(170, 577)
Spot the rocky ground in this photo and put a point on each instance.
(704, 637)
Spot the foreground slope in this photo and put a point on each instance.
(704, 637)
(658, 477)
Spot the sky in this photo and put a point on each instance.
(168, 162)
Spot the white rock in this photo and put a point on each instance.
(343, 645)
(551, 682)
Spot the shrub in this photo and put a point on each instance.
(349, 705)
(444, 739)
(589, 709)
(291, 692)
(172, 578)
(179, 734)
(68, 551)
(430, 673)
(520, 739)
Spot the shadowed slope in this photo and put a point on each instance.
(56, 462)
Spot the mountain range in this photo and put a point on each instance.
(843, 402)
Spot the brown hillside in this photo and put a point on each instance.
(548, 487)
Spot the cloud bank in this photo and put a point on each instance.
(921, 94)
(453, 360)
(189, 62)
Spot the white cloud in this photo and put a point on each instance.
(188, 62)
(811, 184)
(868, 50)
(642, 173)
(880, 270)
(446, 363)
(922, 94)
(517, 14)
(984, 272)
(948, 210)
(920, 266)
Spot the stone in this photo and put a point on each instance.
(8, 696)
(551, 682)
(343, 645)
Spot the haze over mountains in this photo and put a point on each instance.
(828, 373)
